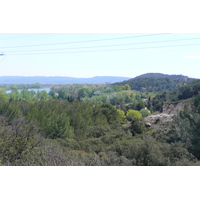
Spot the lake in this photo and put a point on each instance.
(46, 89)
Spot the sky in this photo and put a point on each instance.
(99, 54)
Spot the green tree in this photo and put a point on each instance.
(25, 94)
(120, 114)
(145, 112)
(58, 126)
(43, 95)
(109, 111)
(52, 94)
(63, 94)
(18, 142)
(126, 87)
(134, 114)
(83, 92)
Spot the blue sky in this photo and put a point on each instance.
(99, 54)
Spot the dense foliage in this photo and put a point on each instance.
(184, 92)
(97, 125)
(156, 82)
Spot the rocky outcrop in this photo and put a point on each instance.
(159, 118)
(159, 121)
(163, 120)
(173, 108)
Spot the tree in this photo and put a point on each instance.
(145, 112)
(25, 94)
(109, 111)
(58, 126)
(52, 94)
(126, 87)
(63, 94)
(120, 114)
(18, 142)
(134, 114)
(83, 92)
(137, 126)
(43, 95)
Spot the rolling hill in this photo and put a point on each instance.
(59, 80)
(156, 82)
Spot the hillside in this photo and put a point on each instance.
(177, 95)
(159, 75)
(59, 80)
(156, 82)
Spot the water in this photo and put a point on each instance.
(40, 89)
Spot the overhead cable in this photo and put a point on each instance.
(114, 45)
(85, 41)
(152, 47)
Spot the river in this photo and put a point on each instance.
(46, 89)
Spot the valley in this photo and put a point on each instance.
(150, 120)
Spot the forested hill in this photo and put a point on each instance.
(59, 80)
(156, 82)
(159, 75)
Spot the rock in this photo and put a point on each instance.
(173, 108)
(162, 117)
(147, 124)
(159, 121)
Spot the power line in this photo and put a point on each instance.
(85, 41)
(152, 47)
(86, 47)
(2, 54)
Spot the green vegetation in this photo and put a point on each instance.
(99, 125)
(134, 114)
(156, 82)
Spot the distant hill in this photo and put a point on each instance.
(159, 75)
(156, 82)
(59, 80)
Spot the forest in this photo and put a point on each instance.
(101, 124)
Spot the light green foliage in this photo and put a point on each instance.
(114, 98)
(145, 112)
(120, 114)
(134, 113)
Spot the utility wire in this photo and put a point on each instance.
(87, 47)
(109, 49)
(85, 41)
(4, 56)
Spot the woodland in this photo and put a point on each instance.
(101, 124)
